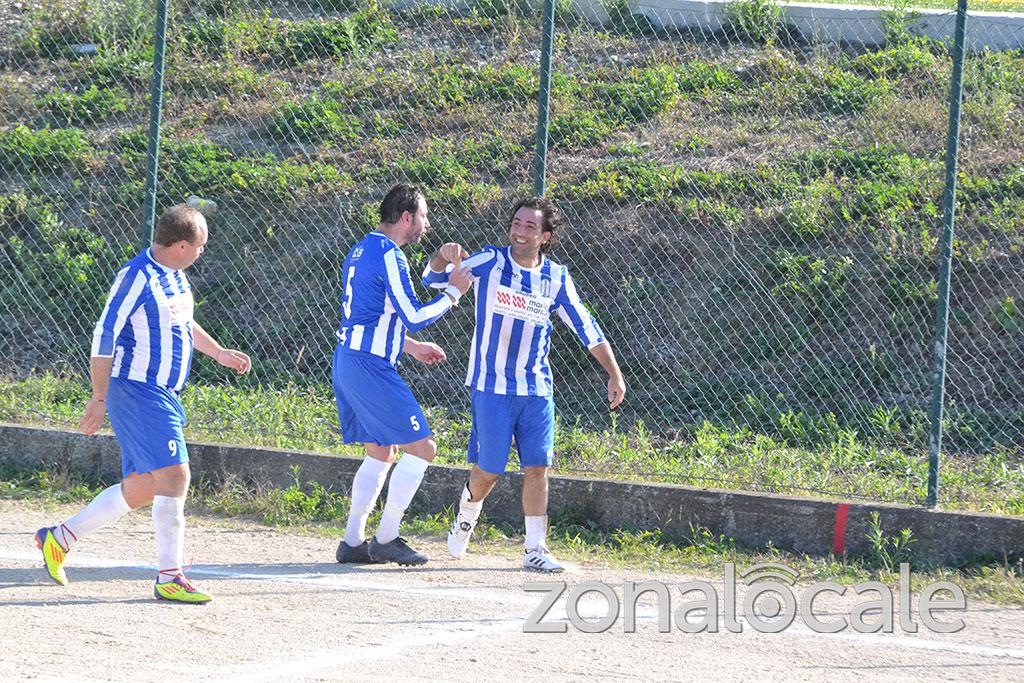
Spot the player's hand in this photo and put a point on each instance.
(92, 418)
(452, 252)
(426, 352)
(616, 392)
(236, 360)
(462, 278)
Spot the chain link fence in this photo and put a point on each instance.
(753, 205)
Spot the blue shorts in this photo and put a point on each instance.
(497, 419)
(147, 421)
(374, 404)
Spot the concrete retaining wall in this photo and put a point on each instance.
(805, 525)
(848, 24)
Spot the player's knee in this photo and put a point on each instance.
(431, 449)
(538, 472)
(424, 448)
(482, 477)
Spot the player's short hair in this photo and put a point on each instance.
(552, 216)
(180, 222)
(399, 199)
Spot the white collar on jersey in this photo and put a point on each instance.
(149, 255)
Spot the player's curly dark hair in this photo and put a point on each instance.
(552, 217)
(399, 199)
(180, 222)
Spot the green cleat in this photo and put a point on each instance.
(53, 555)
(180, 590)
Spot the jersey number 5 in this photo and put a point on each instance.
(414, 422)
(346, 301)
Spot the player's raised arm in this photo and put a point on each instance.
(416, 315)
(438, 268)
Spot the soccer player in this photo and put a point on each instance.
(141, 354)
(517, 289)
(375, 407)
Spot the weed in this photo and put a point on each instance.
(753, 21)
(887, 552)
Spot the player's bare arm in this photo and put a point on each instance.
(616, 384)
(96, 408)
(229, 358)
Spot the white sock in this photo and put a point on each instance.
(405, 480)
(536, 531)
(169, 525)
(366, 486)
(105, 509)
(469, 510)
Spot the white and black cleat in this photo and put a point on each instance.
(540, 559)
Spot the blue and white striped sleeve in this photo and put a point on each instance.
(125, 296)
(478, 264)
(574, 314)
(414, 314)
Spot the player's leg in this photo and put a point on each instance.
(170, 486)
(405, 482)
(488, 449)
(535, 437)
(113, 502)
(366, 488)
(480, 484)
(56, 541)
(380, 409)
(354, 377)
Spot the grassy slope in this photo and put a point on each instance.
(753, 222)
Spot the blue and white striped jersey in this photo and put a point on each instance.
(512, 337)
(378, 303)
(146, 325)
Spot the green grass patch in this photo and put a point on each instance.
(46, 150)
(366, 29)
(195, 166)
(92, 105)
(316, 119)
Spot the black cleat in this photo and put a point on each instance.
(397, 551)
(348, 554)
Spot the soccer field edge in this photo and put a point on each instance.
(797, 523)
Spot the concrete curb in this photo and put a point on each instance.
(805, 525)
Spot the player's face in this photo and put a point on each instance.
(418, 223)
(191, 251)
(527, 233)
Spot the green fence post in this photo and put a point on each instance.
(155, 114)
(946, 258)
(540, 166)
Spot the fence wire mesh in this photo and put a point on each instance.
(753, 213)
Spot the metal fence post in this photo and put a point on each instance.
(544, 100)
(946, 257)
(156, 112)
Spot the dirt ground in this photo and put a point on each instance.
(285, 611)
